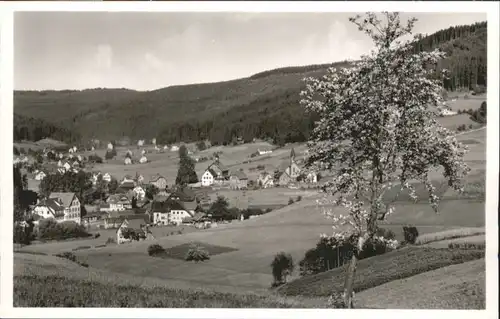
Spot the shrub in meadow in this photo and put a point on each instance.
(290, 201)
(155, 250)
(97, 235)
(299, 198)
(282, 266)
(49, 229)
(333, 252)
(196, 253)
(410, 233)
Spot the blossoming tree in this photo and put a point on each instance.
(379, 130)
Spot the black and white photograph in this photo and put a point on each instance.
(325, 160)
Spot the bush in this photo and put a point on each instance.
(261, 167)
(282, 266)
(155, 249)
(72, 257)
(110, 154)
(299, 198)
(95, 159)
(196, 253)
(329, 253)
(410, 233)
(474, 246)
(81, 248)
(290, 201)
(49, 229)
(386, 233)
(97, 235)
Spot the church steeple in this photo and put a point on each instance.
(292, 156)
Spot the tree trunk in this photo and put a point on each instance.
(349, 281)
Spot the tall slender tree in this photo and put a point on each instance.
(378, 129)
(186, 173)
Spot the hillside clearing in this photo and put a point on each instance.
(454, 287)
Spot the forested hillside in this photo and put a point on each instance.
(264, 105)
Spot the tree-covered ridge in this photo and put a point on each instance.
(466, 49)
(35, 129)
(264, 105)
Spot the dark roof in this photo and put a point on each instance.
(54, 204)
(126, 213)
(136, 223)
(183, 194)
(239, 174)
(65, 198)
(155, 178)
(127, 185)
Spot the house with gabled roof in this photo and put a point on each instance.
(66, 166)
(106, 177)
(289, 170)
(71, 205)
(238, 180)
(265, 180)
(49, 208)
(40, 175)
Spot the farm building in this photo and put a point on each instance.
(49, 208)
(117, 202)
(174, 148)
(139, 193)
(106, 177)
(138, 225)
(40, 175)
(265, 180)
(138, 179)
(238, 180)
(311, 177)
(143, 160)
(207, 179)
(128, 161)
(71, 205)
(66, 166)
(110, 146)
(140, 143)
(127, 179)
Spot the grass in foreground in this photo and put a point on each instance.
(454, 287)
(53, 291)
(449, 234)
(375, 271)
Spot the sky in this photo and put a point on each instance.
(151, 50)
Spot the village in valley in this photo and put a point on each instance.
(139, 202)
(352, 184)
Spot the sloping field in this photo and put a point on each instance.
(47, 281)
(454, 287)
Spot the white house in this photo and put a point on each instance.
(50, 208)
(79, 157)
(110, 146)
(140, 143)
(448, 112)
(139, 192)
(174, 148)
(71, 150)
(40, 175)
(59, 163)
(128, 161)
(153, 141)
(107, 177)
(312, 178)
(207, 179)
(67, 166)
(143, 152)
(75, 149)
(135, 224)
(70, 204)
(264, 152)
(143, 160)
(165, 147)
